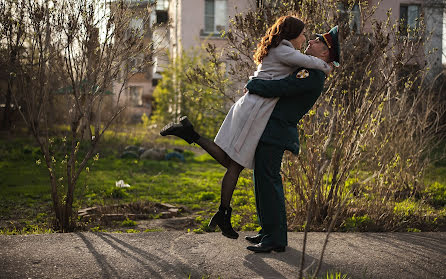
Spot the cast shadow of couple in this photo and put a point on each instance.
(284, 263)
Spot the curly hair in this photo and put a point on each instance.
(286, 27)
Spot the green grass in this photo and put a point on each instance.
(128, 223)
(25, 187)
(26, 206)
(195, 181)
(331, 275)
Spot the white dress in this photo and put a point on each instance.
(246, 120)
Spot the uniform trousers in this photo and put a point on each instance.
(270, 199)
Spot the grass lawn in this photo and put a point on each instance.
(195, 184)
(25, 201)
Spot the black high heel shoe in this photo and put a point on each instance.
(222, 219)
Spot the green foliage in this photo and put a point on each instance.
(330, 275)
(117, 192)
(356, 223)
(336, 275)
(203, 224)
(405, 208)
(128, 223)
(250, 227)
(206, 196)
(27, 229)
(153, 230)
(132, 231)
(198, 231)
(145, 120)
(177, 95)
(436, 194)
(98, 229)
(236, 220)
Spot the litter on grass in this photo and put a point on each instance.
(122, 184)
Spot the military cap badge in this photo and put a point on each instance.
(302, 74)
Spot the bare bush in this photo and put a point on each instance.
(69, 54)
(378, 115)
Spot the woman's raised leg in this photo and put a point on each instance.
(185, 130)
(215, 151)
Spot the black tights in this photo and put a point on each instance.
(233, 169)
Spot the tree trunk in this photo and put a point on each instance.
(57, 206)
(6, 123)
(68, 209)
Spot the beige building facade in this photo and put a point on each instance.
(194, 22)
(137, 92)
(187, 24)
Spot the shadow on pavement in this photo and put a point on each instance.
(107, 270)
(416, 245)
(291, 256)
(404, 247)
(145, 259)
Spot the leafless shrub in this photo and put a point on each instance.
(67, 54)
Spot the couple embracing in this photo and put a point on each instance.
(262, 124)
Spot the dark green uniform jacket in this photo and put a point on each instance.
(298, 93)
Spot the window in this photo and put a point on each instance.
(352, 15)
(162, 17)
(136, 96)
(409, 15)
(162, 5)
(135, 63)
(214, 16)
(161, 9)
(355, 19)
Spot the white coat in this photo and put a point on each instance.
(246, 120)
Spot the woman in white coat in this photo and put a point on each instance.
(277, 56)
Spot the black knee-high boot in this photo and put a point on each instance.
(184, 129)
(222, 219)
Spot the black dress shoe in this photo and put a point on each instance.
(266, 248)
(222, 219)
(183, 129)
(256, 239)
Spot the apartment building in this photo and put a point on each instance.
(407, 13)
(196, 21)
(137, 93)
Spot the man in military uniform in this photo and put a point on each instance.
(298, 93)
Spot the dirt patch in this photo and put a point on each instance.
(141, 216)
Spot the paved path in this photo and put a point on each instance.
(177, 254)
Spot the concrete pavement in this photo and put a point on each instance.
(175, 254)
